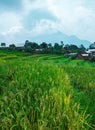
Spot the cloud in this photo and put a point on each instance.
(8, 20)
(10, 36)
(44, 27)
(20, 34)
(35, 16)
(13, 30)
(75, 17)
(23, 19)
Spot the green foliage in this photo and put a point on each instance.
(12, 46)
(3, 44)
(71, 48)
(93, 59)
(81, 48)
(30, 46)
(57, 48)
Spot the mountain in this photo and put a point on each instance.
(58, 36)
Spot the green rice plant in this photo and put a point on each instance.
(82, 78)
(38, 96)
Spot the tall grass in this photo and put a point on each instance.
(82, 79)
(38, 96)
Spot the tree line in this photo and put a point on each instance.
(46, 48)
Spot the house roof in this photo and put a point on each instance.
(86, 54)
(72, 54)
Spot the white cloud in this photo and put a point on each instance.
(10, 25)
(74, 17)
(44, 26)
(10, 36)
(8, 20)
(13, 30)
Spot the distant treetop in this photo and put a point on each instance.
(92, 46)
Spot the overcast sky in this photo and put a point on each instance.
(25, 19)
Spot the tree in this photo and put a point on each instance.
(50, 45)
(62, 44)
(66, 47)
(12, 46)
(71, 48)
(3, 44)
(50, 48)
(44, 45)
(82, 48)
(57, 48)
(56, 45)
(28, 46)
(34, 45)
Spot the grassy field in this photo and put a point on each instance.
(46, 92)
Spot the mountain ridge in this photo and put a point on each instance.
(58, 36)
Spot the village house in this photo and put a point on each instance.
(87, 55)
(91, 50)
(84, 55)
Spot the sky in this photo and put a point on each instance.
(22, 20)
